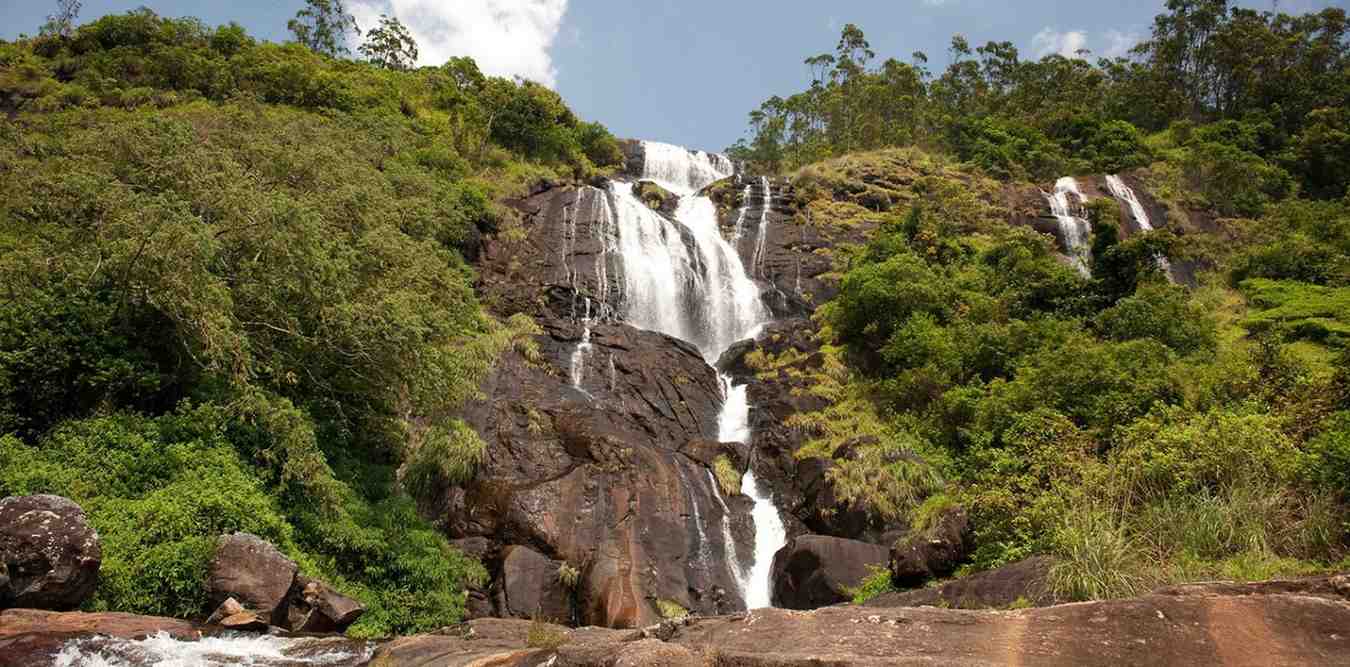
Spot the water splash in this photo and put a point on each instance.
(683, 171)
(162, 650)
(1122, 191)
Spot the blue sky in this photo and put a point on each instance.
(684, 71)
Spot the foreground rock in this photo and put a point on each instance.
(252, 583)
(31, 638)
(49, 555)
(1277, 623)
(814, 571)
(1015, 585)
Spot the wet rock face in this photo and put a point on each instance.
(49, 555)
(606, 477)
(814, 571)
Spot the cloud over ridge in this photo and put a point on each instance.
(505, 37)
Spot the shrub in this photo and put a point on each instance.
(1095, 558)
(875, 584)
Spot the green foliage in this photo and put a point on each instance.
(545, 636)
(1163, 312)
(728, 476)
(1096, 558)
(1299, 311)
(877, 583)
(671, 609)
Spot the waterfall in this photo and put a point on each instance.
(737, 570)
(1122, 191)
(682, 278)
(1074, 231)
(582, 351)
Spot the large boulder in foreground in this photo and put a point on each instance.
(49, 555)
(814, 571)
(1024, 583)
(253, 572)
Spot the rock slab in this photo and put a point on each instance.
(814, 571)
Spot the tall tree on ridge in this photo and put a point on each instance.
(324, 27)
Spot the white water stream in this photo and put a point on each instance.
(1074, 231)
(162, 650)
(1122, 191)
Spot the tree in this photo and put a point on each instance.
(62, 23)
(391, 46)
(324, 26)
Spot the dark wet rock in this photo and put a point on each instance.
(49, 555)
(933, 553)
(814, 571)
(533, 586)
(253, 572)
(1017, 584)
(656, 197)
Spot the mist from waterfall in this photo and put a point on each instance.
(1074, 231)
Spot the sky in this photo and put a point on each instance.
(684, 71)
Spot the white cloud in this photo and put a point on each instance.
(1066, 44)
(1119, 43)
(505, 37)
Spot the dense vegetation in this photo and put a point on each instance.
(1278, 81)
(1139, 430)
(235, 297)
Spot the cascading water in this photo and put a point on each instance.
(1073, 230)
(758, 263)
(683, 279)
(1122, 191)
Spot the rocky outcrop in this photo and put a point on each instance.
(1276, 623)
(814, 571)
(254, 573)
(49, 555)
(934, 553)
(250, 579)
(1015, 585)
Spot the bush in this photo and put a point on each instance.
(1163, 312)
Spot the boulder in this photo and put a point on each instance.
(532, 586)
(314, 607)
(933, 553)
(49, 555)
(814, 571)
(1015, 584)
(253, 572)
(231, 615)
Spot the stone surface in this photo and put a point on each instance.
(934, 553)
(814, 571)
(1020, 583)
(253, 572)
(49, 555)
(31, 638)
(532, 588)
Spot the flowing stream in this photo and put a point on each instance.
(1122, 191)
(162, 650)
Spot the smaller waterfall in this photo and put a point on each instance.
(739, 229)
(1074, 231)
(770, 536)
(757, 265)
(582, 351)
(701, 558)
(1122, 191)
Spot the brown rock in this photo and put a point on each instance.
(49, 555)
(1023, 582)
(934, 553)
(814, 571)
(314, 607)
(532, 586)
(255, 573)
(30, 637)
